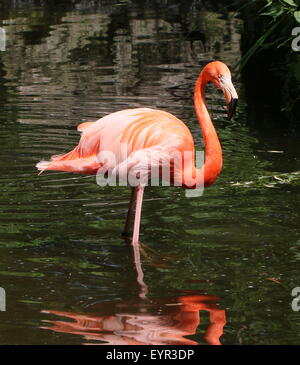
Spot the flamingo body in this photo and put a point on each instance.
(139, 131)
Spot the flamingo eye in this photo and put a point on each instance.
(220, 76)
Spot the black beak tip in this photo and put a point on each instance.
(232, 108)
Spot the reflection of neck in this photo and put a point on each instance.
(213, 151)
(139, 270)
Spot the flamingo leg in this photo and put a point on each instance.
(130, 212)
(138, 212)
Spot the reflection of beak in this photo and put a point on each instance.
(231, 96)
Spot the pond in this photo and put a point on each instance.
(214, 269)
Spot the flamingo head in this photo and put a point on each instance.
(219, 74)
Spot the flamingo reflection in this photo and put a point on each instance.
(162, 321)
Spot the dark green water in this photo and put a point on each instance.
(231, 255)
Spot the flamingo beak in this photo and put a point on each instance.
(231, 108)
(230, 94)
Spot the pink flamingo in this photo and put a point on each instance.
(151, 133)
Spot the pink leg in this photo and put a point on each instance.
(130, 212)
(138, 212)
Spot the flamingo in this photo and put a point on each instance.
(150, 135)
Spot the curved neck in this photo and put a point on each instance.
(213, 151)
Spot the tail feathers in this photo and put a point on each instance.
(82, 166)
(42, 166)
(72, 155)
(70, 162)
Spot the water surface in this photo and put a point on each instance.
(217, 269)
